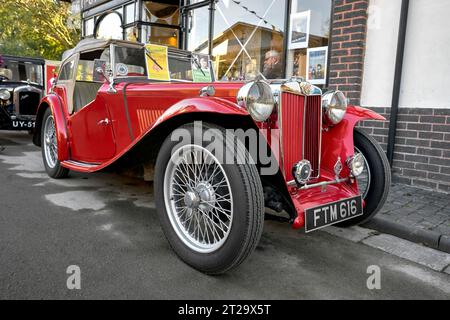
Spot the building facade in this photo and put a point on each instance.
(349, 45)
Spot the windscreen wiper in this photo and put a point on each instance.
(199, 66)
(149, 55)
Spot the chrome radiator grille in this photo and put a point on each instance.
(301, 130)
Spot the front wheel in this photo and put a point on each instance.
(211, 212)
(375, 181)
(49, 145)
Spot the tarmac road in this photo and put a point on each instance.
(107, 225)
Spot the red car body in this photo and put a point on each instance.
(139, 108)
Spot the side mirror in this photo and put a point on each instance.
(101, 75)
(109, 79)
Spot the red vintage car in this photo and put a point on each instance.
(281, 145)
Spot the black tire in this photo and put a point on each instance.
(380, 183)
(57, 171)
(248, 211)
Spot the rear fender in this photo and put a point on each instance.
(338, 140)
(53, 102)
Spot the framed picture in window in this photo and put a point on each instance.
(316, 65)
(299, 30)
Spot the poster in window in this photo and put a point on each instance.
(316, 65)
(157, 59)
(201, 69)
(299, 31)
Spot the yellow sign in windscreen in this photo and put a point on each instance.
(157, 58)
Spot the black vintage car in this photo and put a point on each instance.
(22, 85)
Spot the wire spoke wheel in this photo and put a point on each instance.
(365, 178)
(198, 198)
(50, 142)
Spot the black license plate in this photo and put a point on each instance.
(331, 213)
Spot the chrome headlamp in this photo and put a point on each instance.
(302, 172)
(356, 164)
(334, 104)
(5, 95)
(257, 98)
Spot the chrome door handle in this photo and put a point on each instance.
(104, 122)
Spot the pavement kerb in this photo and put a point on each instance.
(429, 238)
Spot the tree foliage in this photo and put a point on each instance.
(37, 28)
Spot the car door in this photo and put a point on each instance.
(90, 125)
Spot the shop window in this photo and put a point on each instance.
(89, 26)
(129, 13)
(110, 27)
(198, 27)
(162, 20)
(161, 12)
(160, 35)
(309, 39)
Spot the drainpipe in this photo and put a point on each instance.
(397, 80)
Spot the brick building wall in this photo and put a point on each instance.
(348, 39)
(422, 147)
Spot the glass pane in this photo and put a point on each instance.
(110, 27)
(130, 62)
(249, 38)
(24, 71)
(86, 64)
(129, 13)
(67, 71)
(163, 13)
(131, 34)
(160, 35)
(319, 32)
(198, 30)
(89, 27)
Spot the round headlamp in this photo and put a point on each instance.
(334, 104)
(356, 164)
(257, 98)
(5, 95)
(302, 172)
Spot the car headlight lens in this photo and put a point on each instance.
(257, 98)
(334, 105)
(5, 95)
(356, 164)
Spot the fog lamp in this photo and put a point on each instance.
(356, 164)
(302, 172)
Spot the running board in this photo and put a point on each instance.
(80, 166)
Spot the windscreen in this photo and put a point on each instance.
(18, 71)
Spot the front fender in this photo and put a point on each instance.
(338, 140)
(201, 105)
(53, 102)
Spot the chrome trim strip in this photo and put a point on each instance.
(320, 184)
(280, 119)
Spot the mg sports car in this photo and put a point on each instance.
(282, 146)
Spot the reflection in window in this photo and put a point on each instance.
(198, 30)
(248, 40)
(110, 27)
